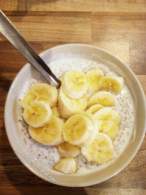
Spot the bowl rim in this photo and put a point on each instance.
(20, 157)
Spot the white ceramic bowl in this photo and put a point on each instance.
(91, 53)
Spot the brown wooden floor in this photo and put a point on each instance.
(116, 25)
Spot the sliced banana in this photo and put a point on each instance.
(111, 83)
(74, 84)
(108, 127)
(93, 77)
(104, 98)
(41, 92)
(100, 150)
(37, 114)
(95, 124)
(50, 134)
(78, 129)
(93, 109)
(68, 150)
(69, 106)
(55, 111)
(107, 114)
(66, 165)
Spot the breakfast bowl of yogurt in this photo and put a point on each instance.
(86, 131)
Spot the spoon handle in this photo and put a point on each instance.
(15, 38)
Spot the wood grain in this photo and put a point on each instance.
(74, 5)
(54, 27)
(118, 26)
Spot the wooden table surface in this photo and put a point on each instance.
(116, 25)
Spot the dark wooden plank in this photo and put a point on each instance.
(11, 60)
(16, 190)
(54, 27)
(12, 5)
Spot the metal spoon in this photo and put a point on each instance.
(15, 38)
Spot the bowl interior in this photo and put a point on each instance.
(86, 52)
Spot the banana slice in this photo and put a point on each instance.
(93, 77)
(100, 150)
(102, 97)
(108, 127)
(107, 114)
(68, 106)
(55, 111)
(93, 109)
(111, 83)
(66, 165)
(68, 150)
(50, 134)
(37, 114)
(74, 84)
(95, 124)
(78, 129)
(40, 92)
